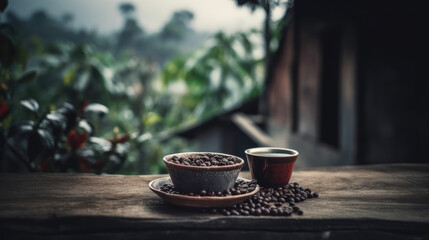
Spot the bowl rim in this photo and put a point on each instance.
(212, 168)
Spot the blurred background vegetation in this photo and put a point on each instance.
(73, 100)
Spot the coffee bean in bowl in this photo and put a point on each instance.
(205, 160)
(195, 171)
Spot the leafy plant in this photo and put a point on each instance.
(62, 140)
(52, 86)
(53, 139)
(218, 76)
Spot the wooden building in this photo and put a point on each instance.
(347, 85)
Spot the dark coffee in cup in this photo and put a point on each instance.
(269, 154)
(271, 167)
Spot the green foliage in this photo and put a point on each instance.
(218, 76)
(253, 4)
(178, 26)
(83, 75)
(127, 8)
(8, 51)
(151, 118)
(62, 80)
(58, 140)
(3, 5)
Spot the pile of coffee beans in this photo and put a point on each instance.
(280, 201)
(240, 187)
(205, 160)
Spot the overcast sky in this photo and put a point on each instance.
(103, 15)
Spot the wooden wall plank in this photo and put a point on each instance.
(308, 78)
(348, 95)
(280, 92)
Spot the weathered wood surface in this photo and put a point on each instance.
(355, 202)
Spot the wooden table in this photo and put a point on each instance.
(379, 201)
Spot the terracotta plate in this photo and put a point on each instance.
(190, 201)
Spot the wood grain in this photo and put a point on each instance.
(380, 200)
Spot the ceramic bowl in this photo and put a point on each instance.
(197, 178)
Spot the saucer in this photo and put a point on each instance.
(198, 201)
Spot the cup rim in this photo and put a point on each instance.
(252, 151)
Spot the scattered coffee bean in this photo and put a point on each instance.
(295, 208)
(234, 212)
(280, 201)
(274, 211)
(265, 211)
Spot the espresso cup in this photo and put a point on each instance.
(270, 166)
